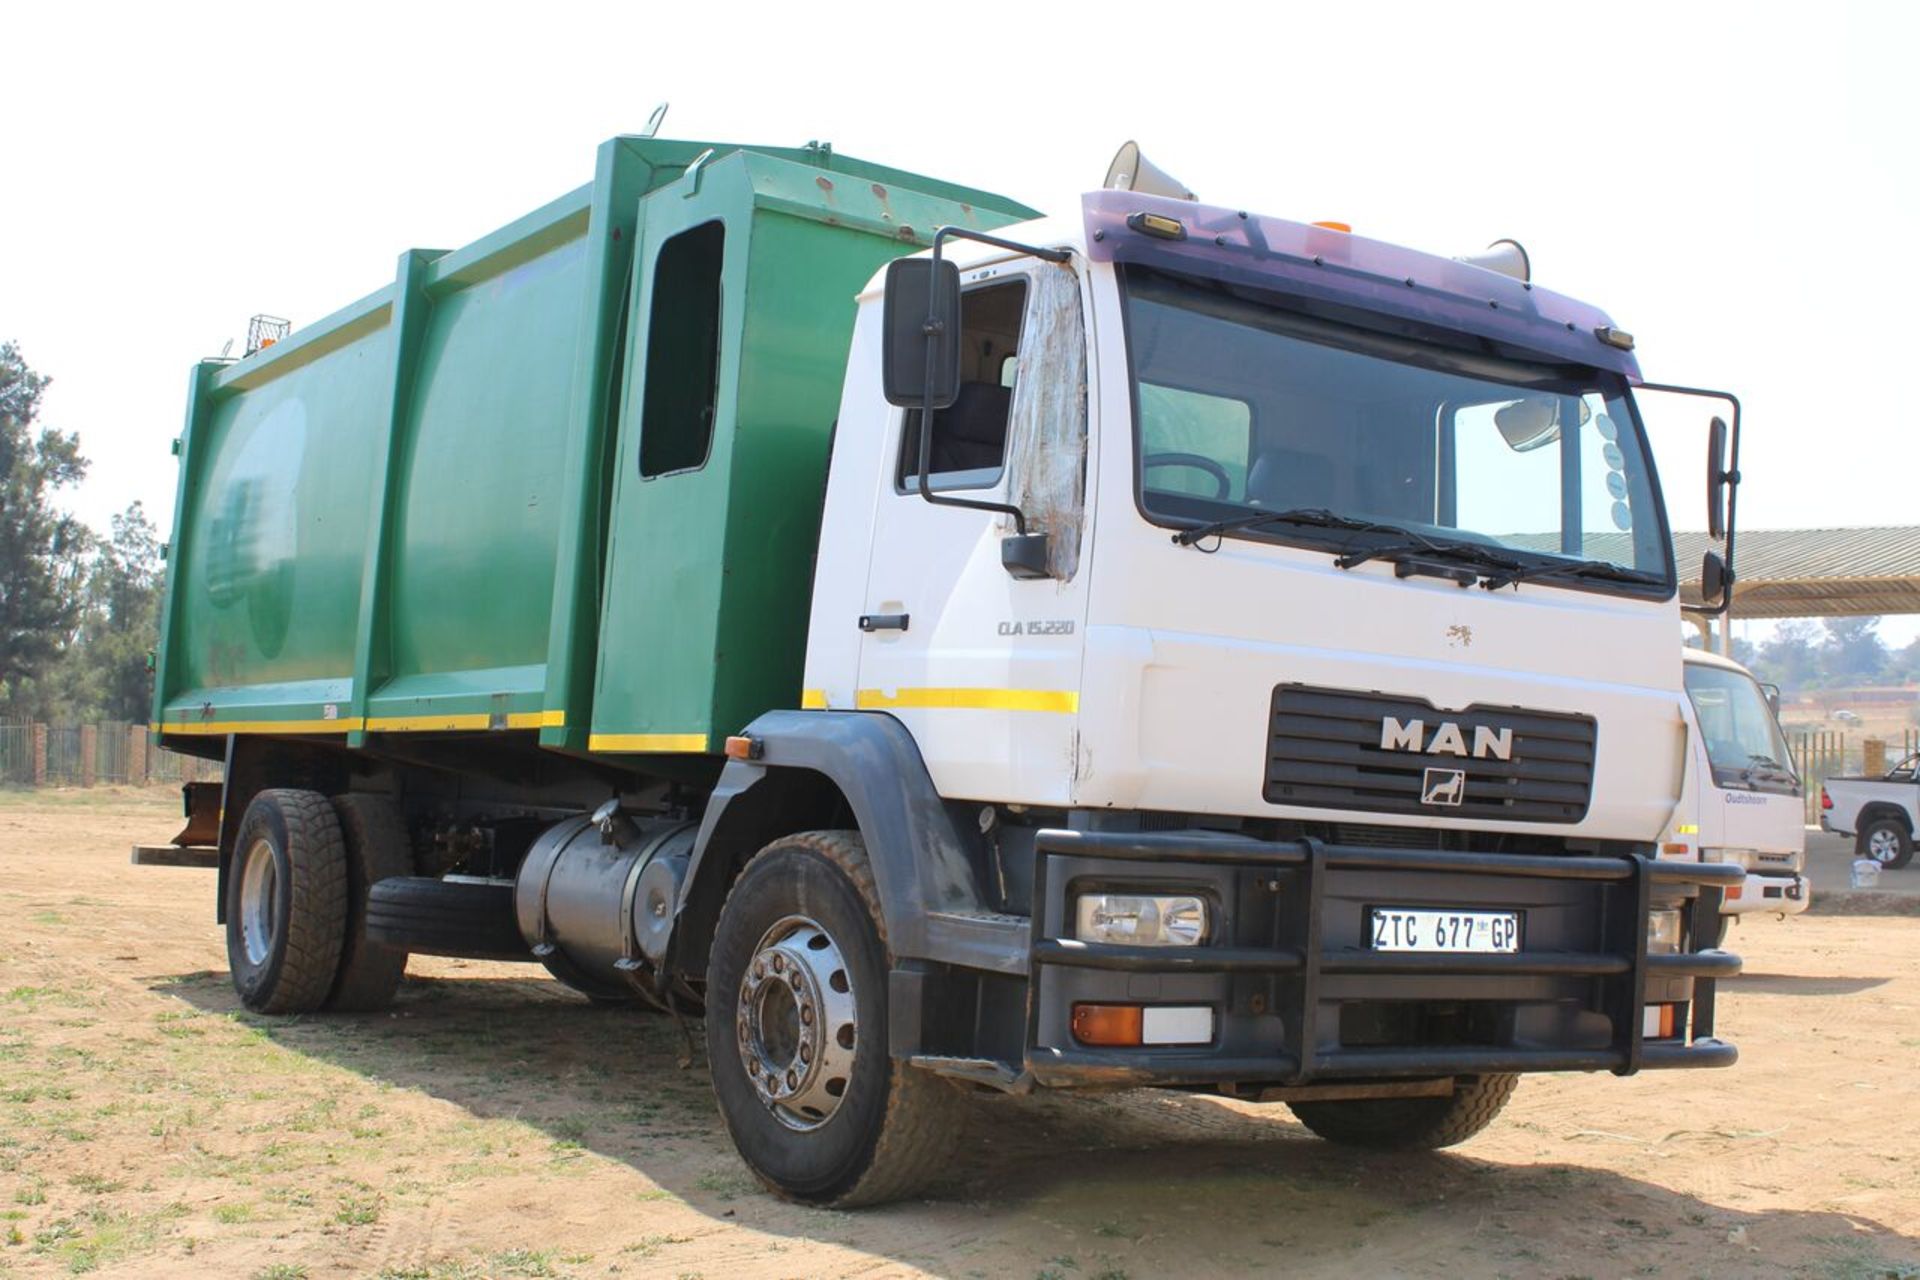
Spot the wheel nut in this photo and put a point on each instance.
(759, 967)
(779, 963)
(806, 1015)
(795, 979)
(806, 1053)
(793, 1081)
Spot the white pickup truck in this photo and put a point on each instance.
(1750, 810)
(1881, 814)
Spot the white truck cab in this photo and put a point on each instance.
(1284, 622)
(1267, 529)
(1751, 809)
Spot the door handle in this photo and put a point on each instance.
(883, 622)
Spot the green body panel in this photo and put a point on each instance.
(482, 465)
(265, 575)
(425, 513)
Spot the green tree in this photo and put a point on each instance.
(1906, 663)
(1853, 652)
(103, 675)
(1791, 657)
(42, 549)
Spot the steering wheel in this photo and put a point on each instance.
(1222, 482)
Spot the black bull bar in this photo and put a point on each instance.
(1298, 872)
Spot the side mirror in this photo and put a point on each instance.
(1773, 698)
(1717, 479)
(1715, 581)
(921, 318)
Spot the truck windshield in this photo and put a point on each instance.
(1743, 739)
(1243, 408)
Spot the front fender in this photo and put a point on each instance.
(922, 869)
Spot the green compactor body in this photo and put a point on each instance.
(564, 480)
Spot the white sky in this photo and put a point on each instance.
(1737, 184)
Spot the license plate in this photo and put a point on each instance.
(1424, 929)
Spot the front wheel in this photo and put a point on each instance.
(797, 1033)
(1887, 841)
(1410, 1124)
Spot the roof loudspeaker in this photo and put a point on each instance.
(1131, 171)
(1503, 256)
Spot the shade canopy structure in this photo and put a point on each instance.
(1813, 573)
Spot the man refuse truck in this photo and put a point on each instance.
(1162, 645)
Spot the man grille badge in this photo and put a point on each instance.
(1443, 786)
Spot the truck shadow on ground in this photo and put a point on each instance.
(1135, 1184)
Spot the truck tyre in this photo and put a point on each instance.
(1410, 1124)
(446, 918)
(377, 848)
(1887, 841)
(797, 1033)
(286, 902)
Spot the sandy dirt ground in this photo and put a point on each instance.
(493, 1124)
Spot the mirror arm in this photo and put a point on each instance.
(1733, 478)
(933, 330)
(1733, 447)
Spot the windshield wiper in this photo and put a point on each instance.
(1419, 544)
(1604, 569)
(1759, 762)
(1318, 517)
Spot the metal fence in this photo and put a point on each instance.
(36, 754)
(16, 753)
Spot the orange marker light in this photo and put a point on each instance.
(744, 747)
(1733, 894)
(1107, 1024)
(1336, 226)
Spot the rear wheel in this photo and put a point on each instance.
(377, 849)
(286, 902)
(797, 1033)
(1410, 1124)
(1887, 841)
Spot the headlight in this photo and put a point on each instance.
(1663, 932)
(1141, 920)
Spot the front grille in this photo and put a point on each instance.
(1325, 752)
(1386, 837)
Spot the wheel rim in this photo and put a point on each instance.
(798, 1023)
(258, 880)
(1883, 845)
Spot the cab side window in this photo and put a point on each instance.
(969, 447)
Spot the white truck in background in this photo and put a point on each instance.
(1751, 810)
(1879, 813)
